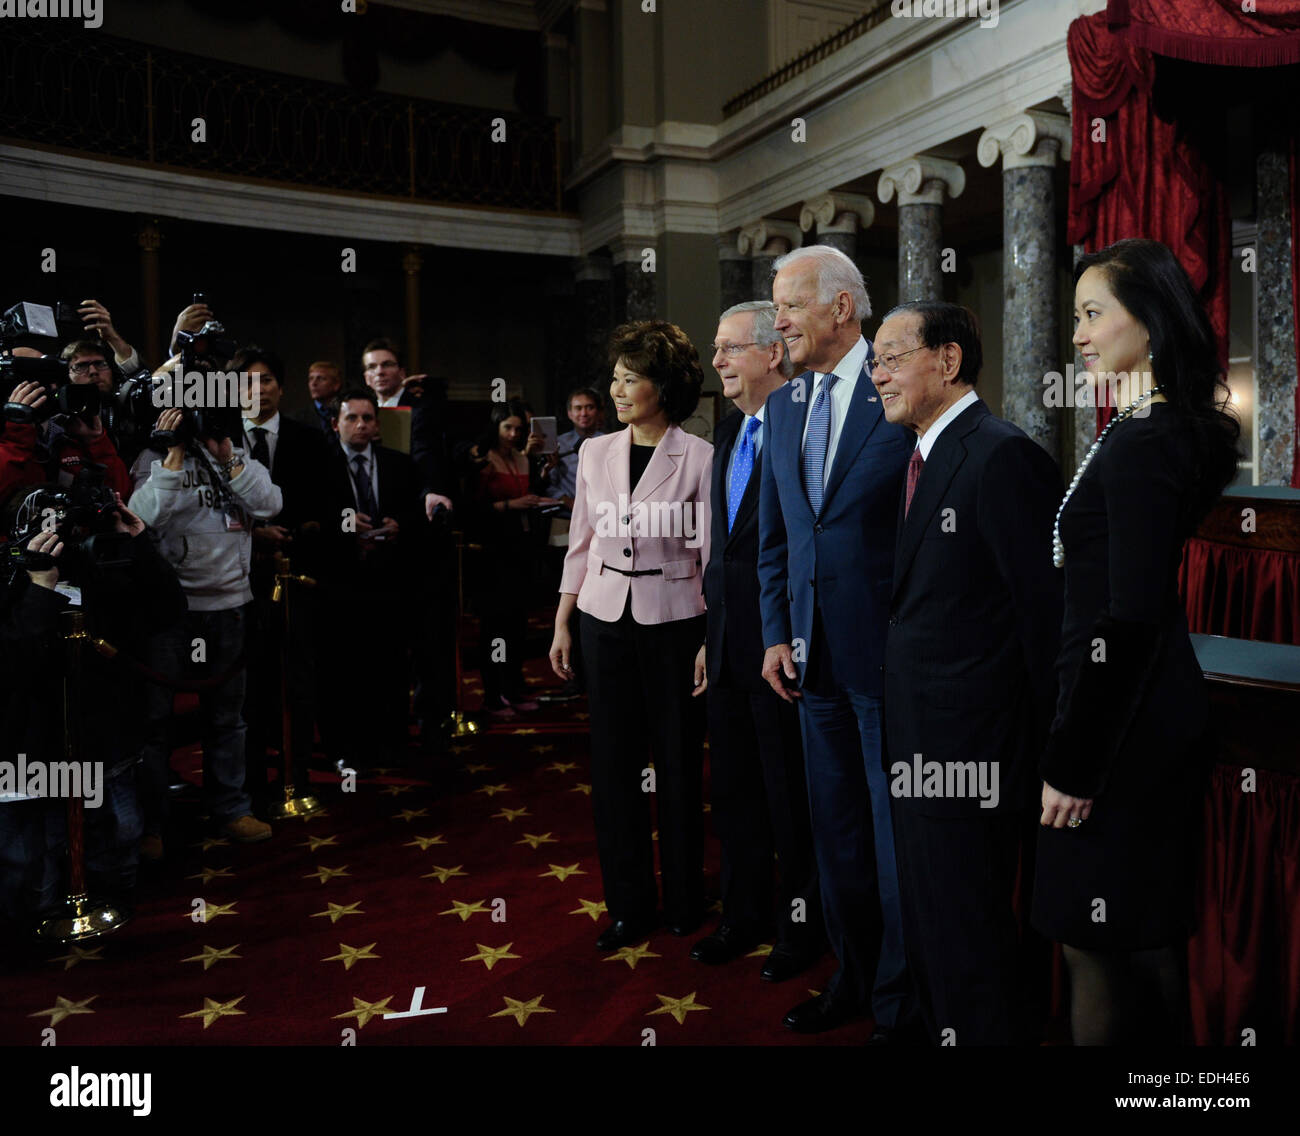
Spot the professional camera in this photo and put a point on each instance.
(84, 515)
(22, 321)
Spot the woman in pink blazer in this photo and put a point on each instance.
(638, 544)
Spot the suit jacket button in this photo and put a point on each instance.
(817, 528)
(893, 621)
(627, 552)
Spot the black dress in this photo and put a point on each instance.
(1132, 710)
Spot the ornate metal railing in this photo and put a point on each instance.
(815, 54)
(106, 97)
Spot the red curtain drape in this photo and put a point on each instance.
(1212, 31)
(1244, 958)
(1137, 174)
(1243, 593)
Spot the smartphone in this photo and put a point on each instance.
(545, 426)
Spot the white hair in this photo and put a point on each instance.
(835, 273)
(765, 333)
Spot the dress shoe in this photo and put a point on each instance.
(725, 944)
(247, 830)
(784, 962)
(624, 932)
(825, 1012)
(686, 926)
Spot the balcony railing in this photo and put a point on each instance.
(106, 97)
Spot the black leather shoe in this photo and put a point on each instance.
(687, 926)
(725, 944)
(624, 932)
(825, 1012)
(785, 963)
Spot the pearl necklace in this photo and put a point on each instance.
(1058, 547)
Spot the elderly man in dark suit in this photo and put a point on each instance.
(975, 617)
(827, 516)
(760, 801)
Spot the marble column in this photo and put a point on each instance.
(763, 242)
(412, 262)
(734, 273)
(635, 262)
(149, 237)
(1275, 331)
(594, 301)
(838, 216)
(920, 183)
(1029, 145)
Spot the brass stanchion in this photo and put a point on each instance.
(292, 805)
(79, 917)
(460, 725)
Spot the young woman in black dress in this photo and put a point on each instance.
(1124, 767)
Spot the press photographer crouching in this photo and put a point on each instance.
(202, 497)
(73, 548)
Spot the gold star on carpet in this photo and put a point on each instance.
(213, 955)
(212, 1010)
(394, 790)
(325, 874)
(592, 908)
(465, 910)
(582, 715)
(314, 842)
(581, 787)
(492, 790)
(76, 955)
(716, 905)
(561, 766)
(63, 1008)
(210, 874)
(537, 841)
(210, 843)
(383, 770)
(349, 955)
(633, 955)
(815, 993)
(442, 875)
(424, 842)
(654, 835)
(409, 815)
(363, 1011)
(336, 911)
(477, 767)
(490, 956)
(460, 748)
(521, 1010)
(678, 1007)
(212, 910)
(561, 873)
(524, 730)
(510, 814)
(708, 808)
(541, 748)
(760, 951)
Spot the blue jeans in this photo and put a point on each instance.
(853, 836)
(220, 711)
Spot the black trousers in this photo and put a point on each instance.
(760, 808)
(979, 970)
(639, 683)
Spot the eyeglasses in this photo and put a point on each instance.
(890, 361)
(89, 365)
(731, 349)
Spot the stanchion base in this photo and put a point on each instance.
(79, 918)
(295, 807)
(460, 725)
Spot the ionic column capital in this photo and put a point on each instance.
(768, 237)
(922, 180)
(1031, 138)
(837, 212)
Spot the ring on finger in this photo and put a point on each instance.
(1074, 822)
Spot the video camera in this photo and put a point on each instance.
(26, 320)
(84, 515)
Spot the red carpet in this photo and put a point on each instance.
(483, 887)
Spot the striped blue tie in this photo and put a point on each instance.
(741, 469)
(814, 447)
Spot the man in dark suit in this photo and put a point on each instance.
(379, 532)
(323, 384)
(760, 801)
(970, 684)
(827, 516)
(296, 456)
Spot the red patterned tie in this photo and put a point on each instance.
(913, 476)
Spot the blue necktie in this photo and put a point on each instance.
(814, 447)
(741, 469)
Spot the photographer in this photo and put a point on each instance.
(203, 497)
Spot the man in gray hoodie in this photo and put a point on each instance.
(202, 499)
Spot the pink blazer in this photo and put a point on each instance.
(664, 524)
